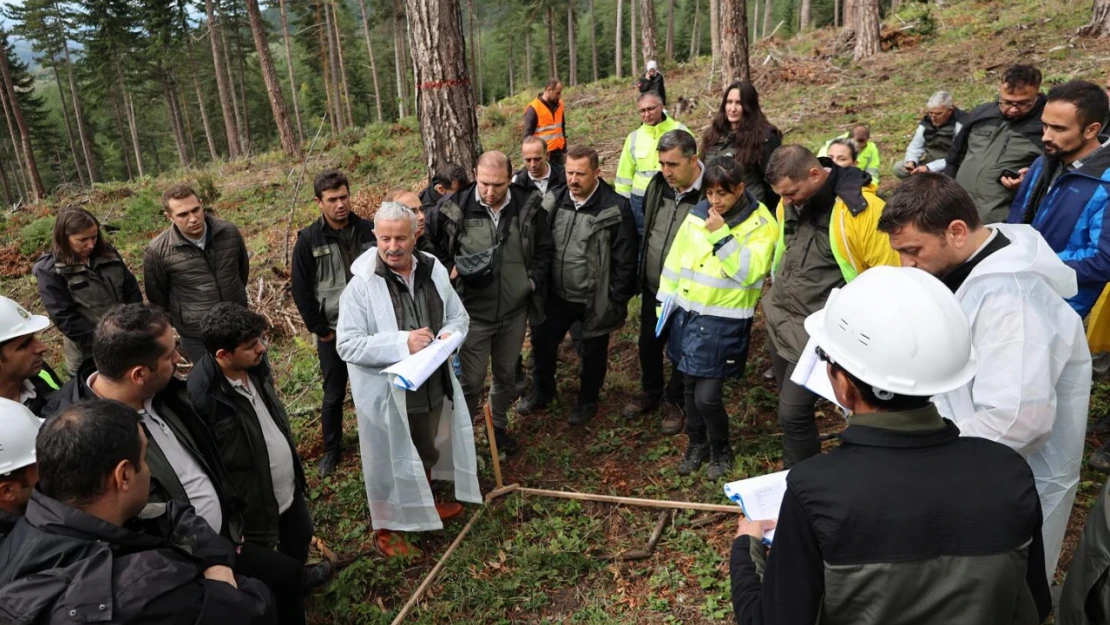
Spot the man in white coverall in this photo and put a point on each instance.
(1034, 380)
(397, 303)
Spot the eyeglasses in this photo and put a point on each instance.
(1016, 105)
(823, 355)
(645, 111)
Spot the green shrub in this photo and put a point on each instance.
(35, 236)
(921, 17)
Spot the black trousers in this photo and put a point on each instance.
(706, 417)
(651, 350)
(593, 351)
(796, 416)
(334, 372)
(282, 569)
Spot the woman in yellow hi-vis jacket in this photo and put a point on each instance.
(713, 277)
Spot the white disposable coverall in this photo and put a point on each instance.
(1034, 380)
(368, 341)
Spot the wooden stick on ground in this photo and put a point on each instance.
(493, 447)
(408, 607)
(633, 501)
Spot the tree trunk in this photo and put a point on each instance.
(333, 71)
(399, 55)
(715, 31)
(512, 86)
(804, 19)
(8, 201)
(647, 31)
(593, 38)
(669, 51)
(293, 79)
(175, 123)
(369, 53)
(478, 43)
(323, 39)
(572, 45)
(552, 50)
(183, 113)
(122, 139)
(755, 21)
(695, 37)
(768, 9)
(1099, 26)
(69, 126)
(867, 28)
(246, 140)
(633, 35)
(619, 30)
(230, 126)
(129, 111)
(528, 55)
(848, 21)
(37, 190)
(449, 125)
(289, 142)
(471, 47)
(836, 13)
(20, 175)
(734, 42)
(342, 65)
(209, 137)
(79, 115)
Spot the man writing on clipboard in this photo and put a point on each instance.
(907, 521)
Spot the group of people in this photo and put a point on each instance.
(965, 371)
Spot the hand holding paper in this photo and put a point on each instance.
(760, 498)
(412, 372)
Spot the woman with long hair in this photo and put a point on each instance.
(712, 281)
(79, 280)
(741, 131)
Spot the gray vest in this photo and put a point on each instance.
(582, 254)
(331, 277)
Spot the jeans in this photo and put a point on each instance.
(334, 372)
(594, 351)
(637, 202)
(493, 346)
(706, 417)
(796, 417)
(652, 348)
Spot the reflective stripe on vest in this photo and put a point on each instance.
(843, 258)
(549, 127)
(49, 379)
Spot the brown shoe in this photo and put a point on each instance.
(673, 418)
(641, 404)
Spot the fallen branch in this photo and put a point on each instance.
(633, 501)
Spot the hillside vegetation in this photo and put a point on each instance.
(535, 560)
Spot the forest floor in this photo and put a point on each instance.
(534, 560)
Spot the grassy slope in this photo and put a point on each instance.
(533, 560)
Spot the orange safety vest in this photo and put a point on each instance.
(549, 127)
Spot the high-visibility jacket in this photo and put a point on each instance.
(549, 126)
(720, 273)
(639, 158)
(868, 159)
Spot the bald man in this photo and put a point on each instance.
(498, 248)
(408, 198)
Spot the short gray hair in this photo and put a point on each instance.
(678, 138)
(649, 94)
(940, 98)
(395, 211)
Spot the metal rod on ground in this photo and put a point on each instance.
(297, 188)
(493, 447)
(416, 596)
(633, 501)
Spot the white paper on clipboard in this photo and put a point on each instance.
(413, 371)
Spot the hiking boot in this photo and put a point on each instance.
(329, 462)
(506, 444)
(449, 510)
(316, 575)
(695, 456)
(532, 403)
(1099, 460)
(640, 405)
(1100, 427)
(673, 418)
(393, 545)
(582, 414)
(720, 462)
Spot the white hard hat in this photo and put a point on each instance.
(18, 429)
(16, 321)
(898, 329)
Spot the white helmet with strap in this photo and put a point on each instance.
(15, 321)
(18, 429)
(898, 329)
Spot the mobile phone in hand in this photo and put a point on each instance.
(1009, 173)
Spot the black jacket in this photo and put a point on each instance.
(905, 523)
(44, 390)
(62, 565)
(645, 84)
(242, 446)
(187, 281)
(558, 179)
(754, 178)
(76, 296)
(304, 279)
(7, 522)
(172, 405)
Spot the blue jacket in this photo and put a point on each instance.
(1071, 215)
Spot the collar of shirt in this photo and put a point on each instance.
(693, 188)
(994, 233)
(409, 280)
(543, 177)
(577, 204)
(198, 242)
(28, 392)
(495, 213)
(1076, 164)
(246, 389)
